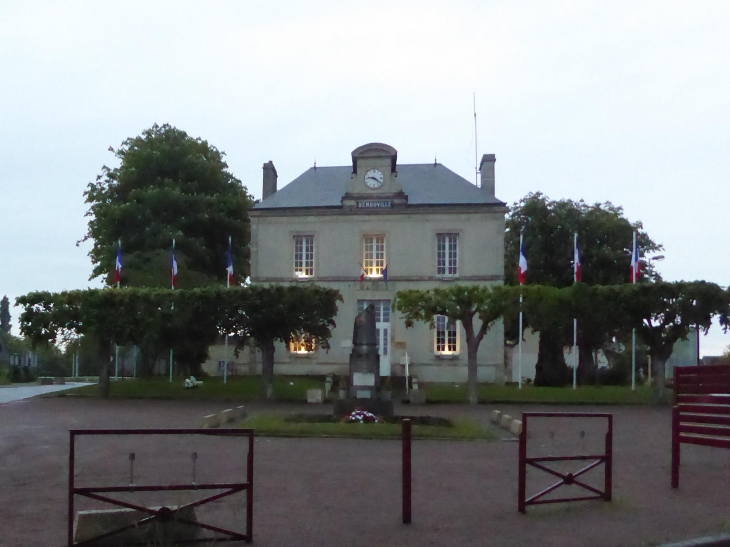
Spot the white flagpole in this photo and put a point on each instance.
(116, 347)
(228, 285)
(575, 320)
(172, 282)
(633, 331)
(519, 344)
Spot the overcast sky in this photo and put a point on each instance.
(619, 101)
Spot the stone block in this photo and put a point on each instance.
(516, 427)
(226, 416)
(241, 413)
(210, 421)
(496, 417)
(506, 421)
(417, 397)
(59, 381)
(315, 396)
(45, 381)
(91, 524)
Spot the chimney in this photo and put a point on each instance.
(486, 167)
(270, 178)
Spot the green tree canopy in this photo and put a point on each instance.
(5, 315)
(168, 185)
(461, 303)
(605, 239)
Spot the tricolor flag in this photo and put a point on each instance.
(229, 269)
(362, 273)
(385, 273)
(118, 267)
(522, 267)
(576, 260)
(635, 265)
(174, 266)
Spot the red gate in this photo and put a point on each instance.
(164, 514)
(565, 478)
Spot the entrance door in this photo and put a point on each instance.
(382, 330)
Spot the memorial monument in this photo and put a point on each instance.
(364, 389)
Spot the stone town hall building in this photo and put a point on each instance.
(415, 226)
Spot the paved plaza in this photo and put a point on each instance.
(345, 492)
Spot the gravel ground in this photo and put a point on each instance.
(337, 492)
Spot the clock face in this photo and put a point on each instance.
(374, 178)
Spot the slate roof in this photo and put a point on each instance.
(424, 184)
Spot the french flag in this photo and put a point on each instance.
(522, 267)
(118, 268)
(362, 273)
(174, 268)
(229, 269)
(576, 261)
(635, 265)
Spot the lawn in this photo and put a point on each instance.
(275, 425)
(286, 388)
(491, 393)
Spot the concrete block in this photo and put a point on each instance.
(417, 397)
(90, 524)
(241, 413)
(506, 421)
(59, 381)
(210, 421)
(45, 380)
(315, 396)
(226, 416)
(496, 417)
(516, 427)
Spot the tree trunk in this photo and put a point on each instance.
(104, 356)
(658, 370)
(551, 370)
(267, 368)
(471, 368)
(586, 367)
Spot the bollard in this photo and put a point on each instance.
(406, 471)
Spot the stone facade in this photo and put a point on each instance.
(327, 219)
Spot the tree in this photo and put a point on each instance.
(168, 185)
(280, 313)
(458, 303)
(664, 313)
(5, 315)
(605, 240)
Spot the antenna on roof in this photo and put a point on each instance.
(315, 164)
(434, 159)
(476, 147)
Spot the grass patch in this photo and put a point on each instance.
(490, 393)
(286, 388)
(276, 425)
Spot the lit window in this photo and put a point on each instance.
(447, 255)
(373, 258)
(447, 336)
(301, 346)
(303, 256)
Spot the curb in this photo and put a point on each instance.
(722, 540)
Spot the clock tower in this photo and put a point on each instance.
(374, 180)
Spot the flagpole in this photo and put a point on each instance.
(634, 264)
(116, 347)
(519, 345)
(172, 282)
(575, 319)
(228, 285)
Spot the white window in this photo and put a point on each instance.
(373, 257)
(447, 255)
(447, 336)
(301, 346)
(303, 256)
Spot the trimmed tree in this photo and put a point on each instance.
(458, 303)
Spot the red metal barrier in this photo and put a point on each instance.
(565, 478)
(701, 414)
(164, 514)
(406, 438)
